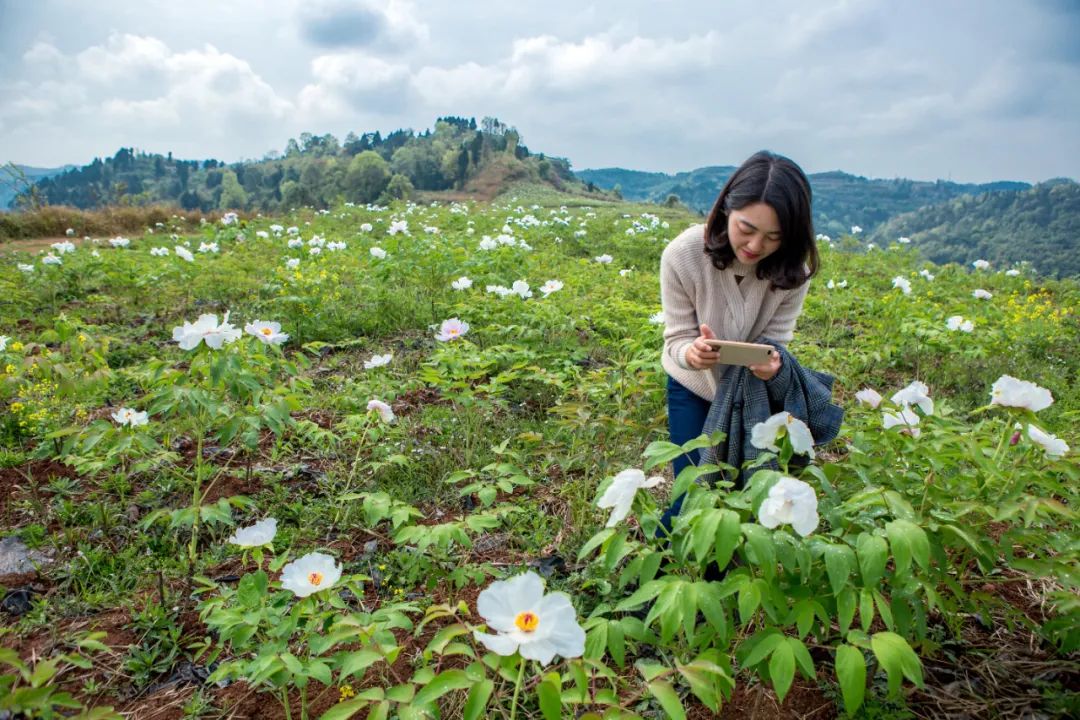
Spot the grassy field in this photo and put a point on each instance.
(940, 580)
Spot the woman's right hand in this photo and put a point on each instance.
(699, 355)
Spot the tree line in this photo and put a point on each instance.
(314, 170)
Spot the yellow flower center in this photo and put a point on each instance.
(527, 621)
(315, 578)
(267, 331)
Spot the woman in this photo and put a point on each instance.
(741, 276)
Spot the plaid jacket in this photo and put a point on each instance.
(743, 401)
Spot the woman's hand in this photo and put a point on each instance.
(766, 371)
(699, 355)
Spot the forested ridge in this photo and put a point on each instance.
(314, 170)
(1040, 226)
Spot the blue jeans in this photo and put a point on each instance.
(686, 418)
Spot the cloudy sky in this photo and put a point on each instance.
(973, 90)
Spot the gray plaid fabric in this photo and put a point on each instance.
(743, 401)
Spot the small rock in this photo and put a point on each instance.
(15, 557)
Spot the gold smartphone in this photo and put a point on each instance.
(740, 353)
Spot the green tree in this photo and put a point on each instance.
(399, 188)
(233, 195)
(367, 177)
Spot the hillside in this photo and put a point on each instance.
(318, 171)
(11, 179)
(841, 200)
(1040, 226)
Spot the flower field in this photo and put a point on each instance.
(409, 462)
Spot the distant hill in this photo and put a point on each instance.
(8, 189)
(460, 156)
(1040, 225)
(840, 200)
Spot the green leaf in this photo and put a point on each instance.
(802, 656)
(668, 699)
(596, 541)
(728, 536)
(763, 647)
(441, 684)
(478, 700)
(550, 698)
(851, 674)
(761, 551)
(873, 553)
(866, 608)
(782, 669)
(359, 661)
(845, 609)
(345, 710)
(897, 658)
(839, 563)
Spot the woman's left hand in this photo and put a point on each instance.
(767, 371)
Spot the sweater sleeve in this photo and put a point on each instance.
(680, 320)
(782, 325)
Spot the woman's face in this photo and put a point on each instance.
(754, 232)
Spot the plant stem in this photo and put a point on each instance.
(285, 703)
(517, 687)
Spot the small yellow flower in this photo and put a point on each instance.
(82, 338)
(346, 691)
(9, 368)
(16, 346)
(17, 407)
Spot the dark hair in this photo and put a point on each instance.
(781, 184)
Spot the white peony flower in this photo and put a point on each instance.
(208, 247)
(462, 283)
(25, 267)
(927, 274)
(63, 247)
(903, 283)
(295, 243)
(269, 333)
(538, 626)
(657, 318)
(1051, 444)
(619, 495)
(1012, 272)
(365, 227)
(377, 252)
(520, 287)
(452, 329)
(603, 259)
(551, 286)
(907, 418)
(292, 263)
(262, 234)
(487, 243)
(229, 218)
(790, 502)
(1010, 392)
(183, 252)
(981, 294)
(378, 361)
(385, 411)
(915, 394)
(3, 342)
(257, 535)
(159, 251)
(314, 250)
(70, 232)
(980, 265)
(855, 229)
(904, 240)
(310, 574)
(51, 259)
(957, 322)
(868, 396)
(398, 226)
(128, 416)
(206, 328)
(625, 272)
(766, 435)
(119, 242)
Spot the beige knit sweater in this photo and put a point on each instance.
(693, 292)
